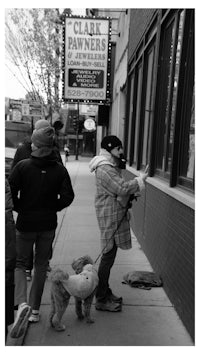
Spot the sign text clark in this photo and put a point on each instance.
(86, 59)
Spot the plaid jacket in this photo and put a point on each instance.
(110, 188)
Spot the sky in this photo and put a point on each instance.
(15, 87)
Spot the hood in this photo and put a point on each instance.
(104, 158)
(44, 156)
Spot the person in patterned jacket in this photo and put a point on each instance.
(112, 196)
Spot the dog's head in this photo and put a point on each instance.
(79, 263)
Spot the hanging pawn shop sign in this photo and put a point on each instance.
(87, 53)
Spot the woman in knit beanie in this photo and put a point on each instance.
(111, 204)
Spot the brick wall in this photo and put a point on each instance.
(165, 229)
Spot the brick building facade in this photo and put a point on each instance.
(159, 131)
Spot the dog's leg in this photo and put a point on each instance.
(78, 307)
(61, 300)
(53, 309)
(87, 307)
(56, 320)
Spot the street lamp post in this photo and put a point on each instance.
(76, 129)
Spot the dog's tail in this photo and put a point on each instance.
(58, 275)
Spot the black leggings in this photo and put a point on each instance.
(106, 263)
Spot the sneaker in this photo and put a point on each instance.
(34, 317)
(21, 320)
(115, 299)
(28, 275)
(108, 306)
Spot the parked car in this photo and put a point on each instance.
(9, 156)
(15, 132)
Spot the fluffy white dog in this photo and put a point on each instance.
(82, 286)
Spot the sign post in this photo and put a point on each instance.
(86, 63)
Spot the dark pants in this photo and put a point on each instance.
(9, 305)
(43, 249)
(106, 263)
(31, 260)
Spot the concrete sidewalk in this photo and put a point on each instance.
(147, 318)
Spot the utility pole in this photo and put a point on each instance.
(77, 131)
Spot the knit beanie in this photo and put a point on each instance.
(41, 124)
(110, 142)
(44, 137)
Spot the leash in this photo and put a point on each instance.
(129, 204)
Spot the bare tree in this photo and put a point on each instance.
(34, 44)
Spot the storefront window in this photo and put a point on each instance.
(148, 107)
(168, 40)
(137, 116)
(188, 157)
(191, 147)
(161, 128)
(171, 123)
(187, 143)
(130, 118)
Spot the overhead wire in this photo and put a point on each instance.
(17, 78)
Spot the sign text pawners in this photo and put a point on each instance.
(86, 59)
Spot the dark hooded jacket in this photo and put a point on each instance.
(45, 188)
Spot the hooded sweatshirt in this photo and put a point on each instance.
(104, 158)
(40, 187)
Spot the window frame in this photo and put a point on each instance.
(160, 109)
(187, 92)
(151, 46)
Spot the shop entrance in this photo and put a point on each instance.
(89, 143)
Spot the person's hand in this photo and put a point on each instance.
(144, 176)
